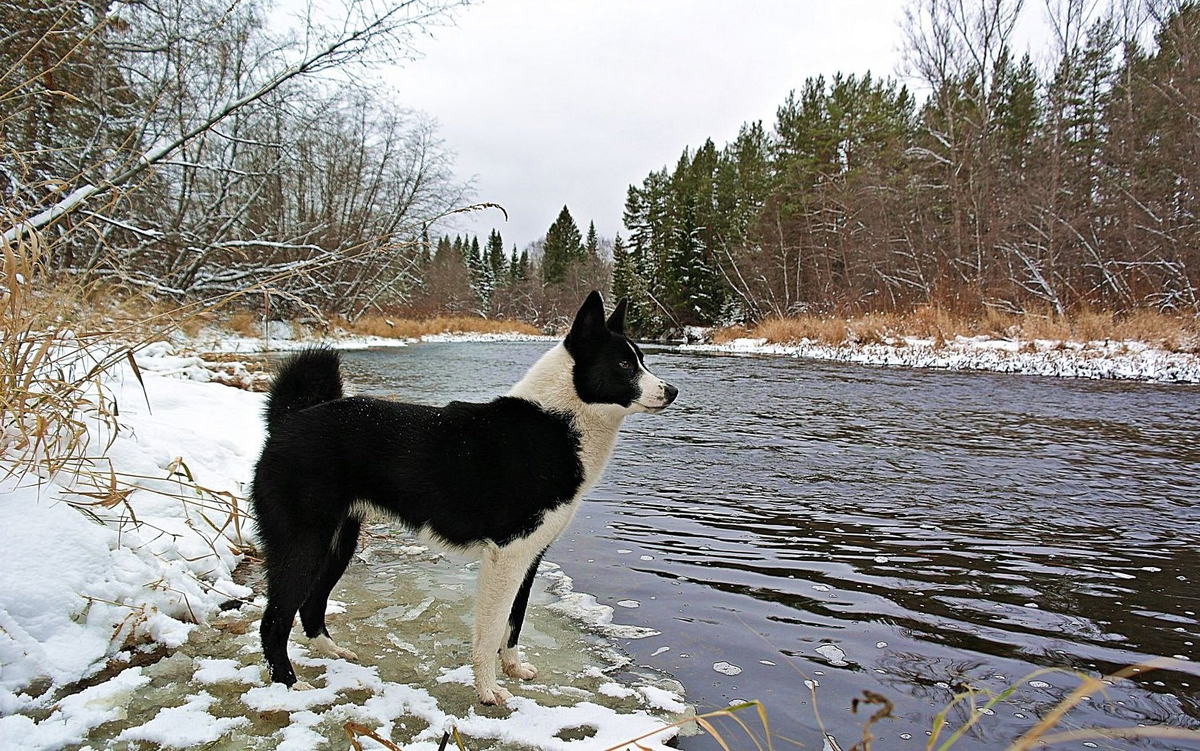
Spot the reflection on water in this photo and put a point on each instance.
(939, 531)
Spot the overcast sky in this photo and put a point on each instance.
(553, 102)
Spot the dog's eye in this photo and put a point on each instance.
(625, 365)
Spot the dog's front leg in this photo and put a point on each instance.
(510, 653)
(500, 577)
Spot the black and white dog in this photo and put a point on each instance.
(500, 480)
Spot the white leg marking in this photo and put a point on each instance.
(500, 577)
(510, 663)
(302, 686)
(510, 659)
(322, 644)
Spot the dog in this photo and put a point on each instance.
(500, 480)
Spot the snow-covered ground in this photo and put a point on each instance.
(285, 338)
(1103, 360)
(122, 618)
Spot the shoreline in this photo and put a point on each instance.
(1125, 361)
(1093, 360)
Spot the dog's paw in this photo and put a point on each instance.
(302, 686)
(521, 670)
(494, 695)
(327, 647)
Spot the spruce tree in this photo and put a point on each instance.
(495, 256)
(563, 247)
(623, 272)
(592, 244)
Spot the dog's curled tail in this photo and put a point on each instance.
(305, 379)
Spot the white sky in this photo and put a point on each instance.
(552, 102)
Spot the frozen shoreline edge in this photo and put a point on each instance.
(1126, 361)
(1099, 360)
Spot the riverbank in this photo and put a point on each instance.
(1142, 346)
(129, 607)
(1167, 351)
(1128, 360)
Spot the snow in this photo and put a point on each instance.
(185, 726)
(286, 338)
(88, 588)
(1096, 360)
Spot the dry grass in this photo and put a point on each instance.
(244, 322)
(408, 328)
(50, 389)
(1170, 332)
(800, 328)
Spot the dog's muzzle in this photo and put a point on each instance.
(669, 393)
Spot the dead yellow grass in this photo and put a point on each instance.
(407, 328)
(798, 328)
(729, 333)
(244, 322)
(1174, 333)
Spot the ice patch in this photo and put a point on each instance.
(833, 654)
(726, 668)
(660, 698)
(585, 609)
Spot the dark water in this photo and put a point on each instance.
(943, 531)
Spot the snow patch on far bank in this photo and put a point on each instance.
(288, 339)
(1096, 360)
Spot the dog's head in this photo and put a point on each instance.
(609, 367)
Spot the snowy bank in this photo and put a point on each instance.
(287, 338)
(127, 614)
(1098, 360)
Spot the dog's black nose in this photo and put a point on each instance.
(671, 392)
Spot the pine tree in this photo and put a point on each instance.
(563, 248)
(495, 255)
(523, 265)
(592, 243)
(623, 272)
(514, 266)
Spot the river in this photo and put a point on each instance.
(799, 531)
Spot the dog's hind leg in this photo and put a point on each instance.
(288, 581)
(500, 577)
(312, 612)
(510, 653)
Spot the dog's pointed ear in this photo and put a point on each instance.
(589, 321)
(616, 321)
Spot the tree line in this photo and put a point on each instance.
(541, 284)
(1010, 186)
(192, 148)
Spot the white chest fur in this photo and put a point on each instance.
(549, 383)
